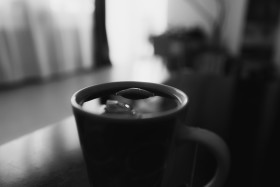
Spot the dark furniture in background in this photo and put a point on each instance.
(237, 97)
(259, 36)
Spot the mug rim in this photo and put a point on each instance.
(77, 97)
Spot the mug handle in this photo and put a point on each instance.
(215, 144)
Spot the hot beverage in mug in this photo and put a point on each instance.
(128, 130)
(131, 102)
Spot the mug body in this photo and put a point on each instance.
(124, 151)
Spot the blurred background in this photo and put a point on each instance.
(224, 54)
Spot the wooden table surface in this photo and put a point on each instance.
(52, 156)
(49, 157)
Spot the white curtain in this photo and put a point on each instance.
(129, 24)
(41, 38)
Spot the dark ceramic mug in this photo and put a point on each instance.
(128, 151)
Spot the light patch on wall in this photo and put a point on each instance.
(187, 13)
